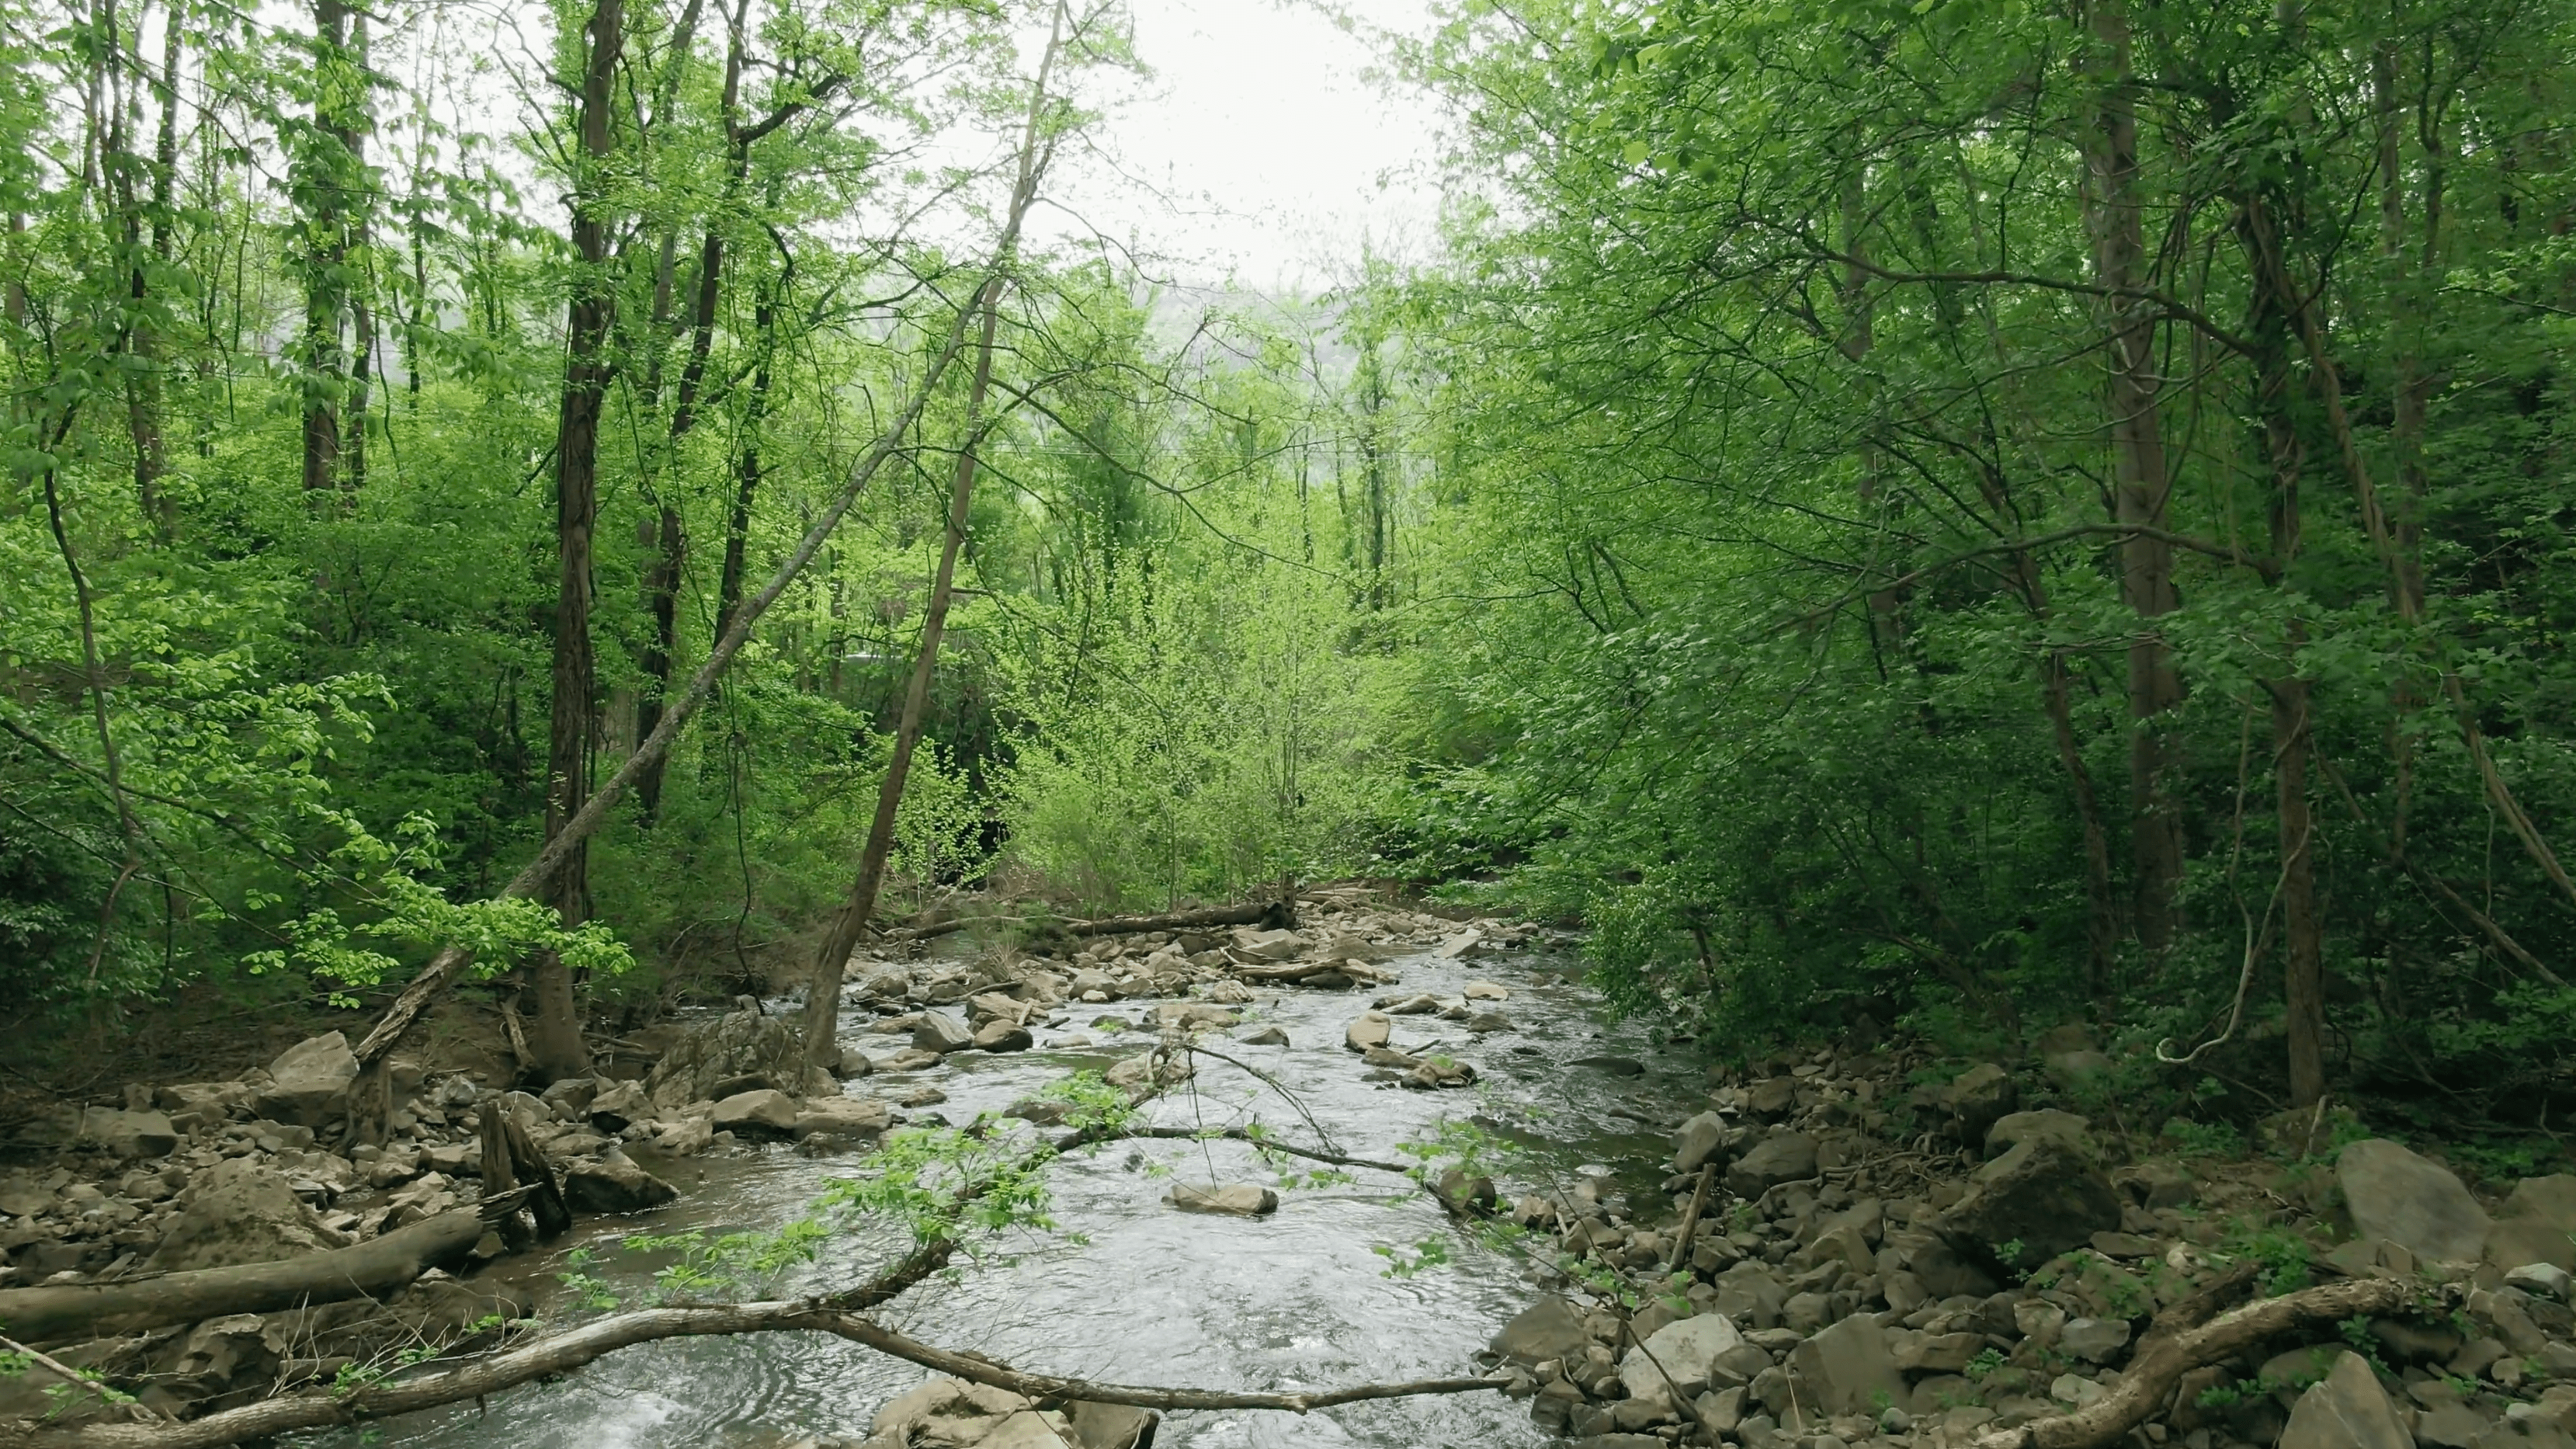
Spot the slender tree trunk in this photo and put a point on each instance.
(747, 467)
(557, 1036)
(2101, 914)
(2409, 289)
(325, 251)
(2117, 223)
(823, 992)
(145, 388)
(359, 207)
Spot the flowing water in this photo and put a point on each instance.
(1128, 1289)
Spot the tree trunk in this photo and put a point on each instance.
(746, 488)
(2117, 223)
(326, 250)
(557, 1039)
(362, 316)
(2101, 916)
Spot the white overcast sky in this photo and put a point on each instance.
(1261, 152)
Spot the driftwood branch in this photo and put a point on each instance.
(2177, 1342)
(1273, 914)
(563, 1352)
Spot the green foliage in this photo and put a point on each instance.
(2286, 1255)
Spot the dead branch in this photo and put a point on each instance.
(2175, 1344)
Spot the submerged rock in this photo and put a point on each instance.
(1239, 1199)
(614, 1184)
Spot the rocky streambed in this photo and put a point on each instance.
(1838, 1248)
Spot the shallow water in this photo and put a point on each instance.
(1128, 1289)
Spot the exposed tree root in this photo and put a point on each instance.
(2179, 1341)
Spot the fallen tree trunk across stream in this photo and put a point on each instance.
(1272, 914)
(562, 1352)
(379, 1265)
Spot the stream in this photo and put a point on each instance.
(1128, 1289)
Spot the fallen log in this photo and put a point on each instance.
(2178, 1342)
(378, 1265)
(1269, 915)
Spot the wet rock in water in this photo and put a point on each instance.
(1238, 1199)
(1389, 1057)
(1549, 1329)
(1615, 1066)
(1003, 1036)
(620, 1106)
(1267, 1036)
(1327, 981)
(1419, 1004)
(734, 1053)
(2039, 1199)
(1193, 1016)
(1482, 1022)
(241, 1211)
(613, 1184)
(309, 1082)
(765, 1111)
(948, 1412)
(937, 1031)
(1108, 1426)
(1039, 1111)
(2347, 1409)
(2410, 1201)
(1981, 1096)
(1140, 1069)
(1485, 991)
(1370, 1029)
(1700, 1139)
(910, 1059)
(128, 1135)
(1677, 1361)
(2013, 1129)
(1438, 1074)
(844, 1118)
(1783, 1156)
(687, 1137)
(1848, 1368)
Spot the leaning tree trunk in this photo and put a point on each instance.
(557, 1039)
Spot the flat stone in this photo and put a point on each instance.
(619, 1106)
(129, 1135)
(1848, 1368)
(848, 1117)
(2546, 1278)
(2346, 1410)
(1370, 1029)
(1485, 991)
(2412, 1202)
(1675, 1363)
(614, 1184)
(764, 1110)
(1778, 1158)
(1267, 1036)
(1237, 1199)
(1003, 1036)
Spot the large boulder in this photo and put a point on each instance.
(1548, 1329)
(309, 1082)
(1369, 1029)
(765, 1111)
(613, 1184)
(844, 1117)
(939, 1032)
(734, 1053)
(1700, 1139)
(945, 1414)
(2347, 1409)
(2536, 1225)
(1778, 1158)
(1848, 1369)
(241, 1211)
(620, 1106)
(2410, 1201)
(2031, 1204)
(1674, 1363)
(2013, 1129)
(1980, 1097)
(128, 1134)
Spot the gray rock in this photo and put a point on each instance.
(1548, 1329)
(571, 1097)
(1750, 1294)
(1267, 1036)
(1981, 1096)
(2013, 1129)
(621, 1105)
(309, 1082)
(1699, 1140)
(1003, 1036)
(1848, 1369)
(844, 1117)
(2346, 1410)
(2037, 1200)
(764, 1110)
(734, 1053)
(2410, 1201)
(1108, 1426)
(2094, 1340)
(2536, 1224)
(1674, 1364)
(939, 1032)
(129, 1135)
(2546, 1278)
(613, 1184)
(241, 1211)
(1778, 1158)
(1236, 1199)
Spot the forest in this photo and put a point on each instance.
(1969, 515)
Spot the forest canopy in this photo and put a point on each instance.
(1961, 514)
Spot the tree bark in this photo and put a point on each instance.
(326, 251)
(557, 1039)
(2117, 224)
(376, 1266)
